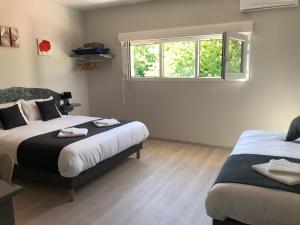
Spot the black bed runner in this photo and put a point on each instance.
(42, 152)
(237, 169)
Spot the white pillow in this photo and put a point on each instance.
(31, 109)
(9, 104)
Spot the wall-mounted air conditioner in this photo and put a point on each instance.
(254, 5)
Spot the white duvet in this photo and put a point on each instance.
(256, 205)
(81, 155)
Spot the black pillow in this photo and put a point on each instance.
(12, 117)
(48, 110)
(294, 130)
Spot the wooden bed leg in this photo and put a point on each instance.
(138, 154)
(71, 195)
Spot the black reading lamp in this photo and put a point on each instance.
(66, 96)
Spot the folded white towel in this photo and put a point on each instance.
(105, 122)
(73, 132)
(68, 130)
(289, 179)
(284, 166)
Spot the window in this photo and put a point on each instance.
(210, 63)
(179, 59)
(145, 60)
(236, 56)
(218, 56)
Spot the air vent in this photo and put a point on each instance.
(254, 5)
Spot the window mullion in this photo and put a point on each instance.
(224, 56)
(161, 59)
(130, 53)
(197, 55)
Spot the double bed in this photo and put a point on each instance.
(254, 199)
(34, 147)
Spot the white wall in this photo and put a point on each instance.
(23, 67)
(206, 112)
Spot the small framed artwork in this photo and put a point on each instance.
(44, 47)
(5, 37)
(14, 34)
(9, 37)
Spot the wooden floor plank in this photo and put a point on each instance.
(167, 186)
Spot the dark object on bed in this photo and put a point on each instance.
(71, 183)
(42, 152)
(237, 169)
(228, 222)
(294, 130)
(12, 117)
(48, 110)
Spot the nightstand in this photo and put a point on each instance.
(69, 108)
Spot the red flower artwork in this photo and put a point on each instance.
(45, 46)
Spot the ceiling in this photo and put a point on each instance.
(97, 4)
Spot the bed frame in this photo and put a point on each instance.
(228, 222)
(70, 184)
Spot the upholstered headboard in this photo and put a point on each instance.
(15, 93)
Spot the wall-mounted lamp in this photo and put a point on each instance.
(65, 97)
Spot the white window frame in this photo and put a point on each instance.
(207, 38)
(161, 42)
(130, 64)
(170, 40)
(244, 74)
(192, 33)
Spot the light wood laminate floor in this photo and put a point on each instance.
(167, 186)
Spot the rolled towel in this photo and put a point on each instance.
(73, 132)
(105, 122)
(284, 166)
(289, 179)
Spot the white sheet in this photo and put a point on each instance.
(80, 155)
(256, 205)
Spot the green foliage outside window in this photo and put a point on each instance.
(179, 59)
(146, 60)
(235, 56)
(210, 58)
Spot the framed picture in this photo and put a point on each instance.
(5, 37)
(14, 33)
(44, 47)
(9, 37)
